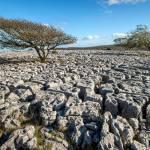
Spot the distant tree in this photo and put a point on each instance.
(139, 38)
(120, 41)
(26, 34)
(141, 27)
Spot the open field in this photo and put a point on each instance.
(85, 99)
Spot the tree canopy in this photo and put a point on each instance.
(26, 34)
(139, 38)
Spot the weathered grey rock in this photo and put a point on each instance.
(75, 92)
(28, 95)
(25, 108)
(58, 103)
(134, 123)
(21, 138)
(137, 146)
(3, 91)
(67, 79)
(13, 97)
(90, 95)
(71, 101)
(55, 84)
(2, 100)
(82, 84)
(98, 99)
(144, 137)
(105, 90)
(91, 111)
(92, 126)
(107, 142)
(32, 143)
(62, 124)
(119, 128)
(11, 123)
(75, 110)
(55, 140)
(129, 109)
(125, 130)
(124, 87)
(76, 129)
(8, 111)
(148, 114)
(59, 106)
(111, 105)
(88, 110)
(87, 141)
(47, 115)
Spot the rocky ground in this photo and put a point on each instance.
(78, 100)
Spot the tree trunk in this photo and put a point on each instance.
(43, 60)
(43, 54)
(41, 57)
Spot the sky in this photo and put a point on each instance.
(93, 22)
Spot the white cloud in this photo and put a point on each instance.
(91, 37)
(93, 40)
(60, 26)
(46, 24)
(113, 2)
(119, 35)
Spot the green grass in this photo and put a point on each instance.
(48, 147)
(39, 135)
(40, 140)
(1, 132)
(55, 52)
(61, 61)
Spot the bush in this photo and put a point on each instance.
(139, 38)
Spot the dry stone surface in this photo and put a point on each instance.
(88, 99)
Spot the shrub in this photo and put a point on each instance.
(140, 38)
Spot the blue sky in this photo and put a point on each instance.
(93, 22)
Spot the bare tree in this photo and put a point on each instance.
(26, 34)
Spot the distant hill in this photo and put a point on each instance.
(101, 47)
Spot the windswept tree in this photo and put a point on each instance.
(140, 38)
(26, 34)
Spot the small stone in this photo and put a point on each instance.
(111, 105)
(107, 142)
(92, 126)
(137, 146)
